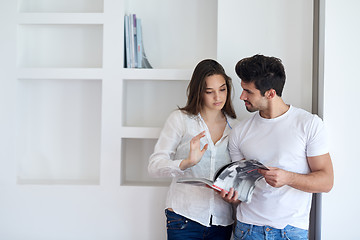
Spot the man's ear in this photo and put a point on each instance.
(271, 93)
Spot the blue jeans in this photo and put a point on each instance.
(182, 228)
(245, 231)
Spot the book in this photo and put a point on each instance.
(241, 175)
(135, 63)
(139, 41)
(131, 41)
(127, 41)
(145, 62)
(134, 54)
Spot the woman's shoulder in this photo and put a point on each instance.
(178, 113)
(233, 122)
(181, 115)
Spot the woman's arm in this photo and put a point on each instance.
(161, 162)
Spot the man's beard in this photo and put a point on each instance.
(250, 108)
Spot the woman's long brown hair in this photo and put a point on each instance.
(197, 87)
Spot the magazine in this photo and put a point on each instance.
(241, 175)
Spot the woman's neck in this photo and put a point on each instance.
(216, 123)
(212, 116)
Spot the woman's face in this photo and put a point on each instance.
(215, 94)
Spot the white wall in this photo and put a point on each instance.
(66, 211)
(341, 210)
(108, 211)
(279, 28)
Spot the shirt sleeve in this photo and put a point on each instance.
(162, 162)
(234, 149)
(317, 138)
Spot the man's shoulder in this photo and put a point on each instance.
(303, 114)
(242, 123)
(306, 119)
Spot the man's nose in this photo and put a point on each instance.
(242, 96)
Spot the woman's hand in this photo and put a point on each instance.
(195, 153)
(231, 196)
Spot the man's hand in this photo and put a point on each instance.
(320, 179)
(277, 177)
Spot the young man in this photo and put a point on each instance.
(291, 142)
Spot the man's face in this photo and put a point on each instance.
(252, 97)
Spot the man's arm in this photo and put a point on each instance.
(320, 179)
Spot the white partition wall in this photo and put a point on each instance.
(340, 208)
(77, 127)
(279, 28)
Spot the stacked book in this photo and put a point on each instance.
(134, 48)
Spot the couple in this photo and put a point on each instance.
(204, 135)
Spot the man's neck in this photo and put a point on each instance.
(276, 108)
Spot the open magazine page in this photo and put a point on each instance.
(242, 176)
(196, 181)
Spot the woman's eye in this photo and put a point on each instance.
(224, 89)
(208, 92)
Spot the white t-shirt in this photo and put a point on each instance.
(284, 142)
(194, 202)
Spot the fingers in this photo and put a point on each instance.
(196, 153)
(204, 148)
(236, 196)
(195, 142)
(200, 135)
(276, 177)
(223, 193)
(231, 196)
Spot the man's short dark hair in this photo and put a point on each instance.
(265, 72)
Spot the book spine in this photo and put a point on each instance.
(127, 41)
(135, 40)
(131, 35)
(139, 43)
(218, 188)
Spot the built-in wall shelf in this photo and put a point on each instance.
(63, 6)
(172, 41)
(74, 90)
(140, 132)
(157, 74)
(60, 45)
(60, 73)
(148, 103)
(59, 131)
(60, 18)
(135, 158)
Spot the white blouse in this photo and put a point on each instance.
(194, 202)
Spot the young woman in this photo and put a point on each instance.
(193, 143)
